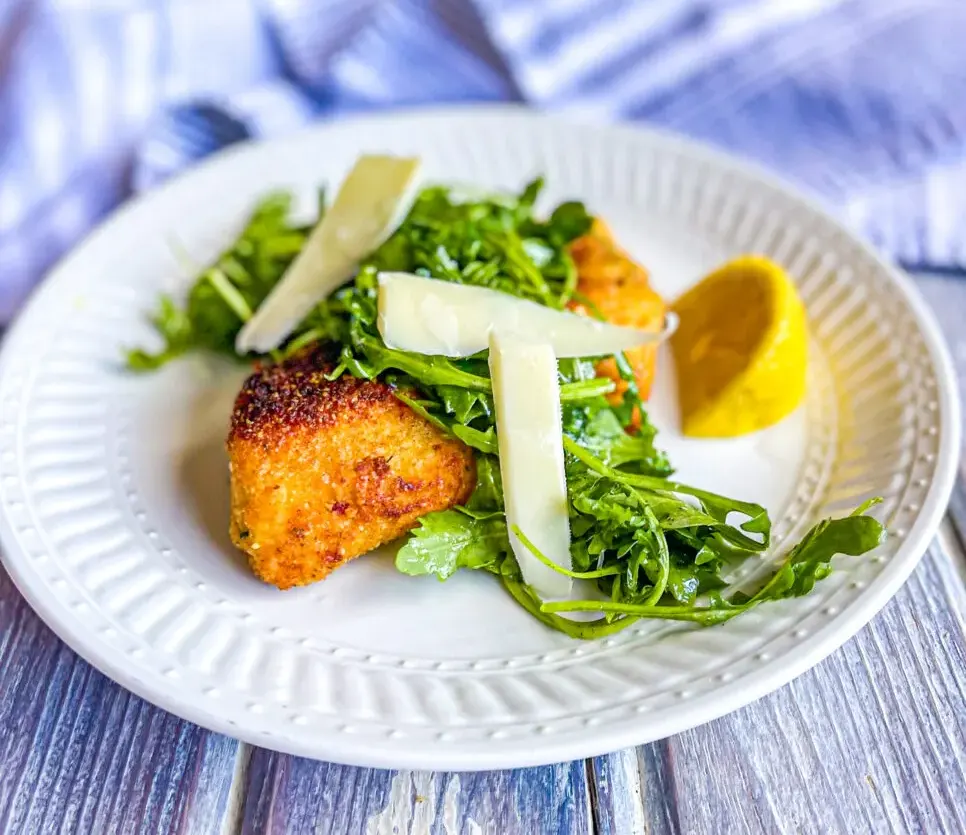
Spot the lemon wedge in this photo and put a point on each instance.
(741, 349)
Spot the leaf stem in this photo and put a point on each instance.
(229, 293)
(663, 558)
(640, 610)
(303, 339)
(577, 575)
(585, 631)
(586, 389)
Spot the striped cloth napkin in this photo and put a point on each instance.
(861, 101)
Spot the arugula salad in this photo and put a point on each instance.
(646, 545)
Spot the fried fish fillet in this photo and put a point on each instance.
(322, 472)
(621, 291)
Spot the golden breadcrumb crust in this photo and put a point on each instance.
(322, 472)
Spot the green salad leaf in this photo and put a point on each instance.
(176, 329)
(644, 545)
(224, 296)
(448, 540)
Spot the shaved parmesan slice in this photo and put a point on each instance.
(428, 316)
(372, 201)
(528, 427)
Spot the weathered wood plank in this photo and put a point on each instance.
(78, 753)
(291, 794)
(871, 740)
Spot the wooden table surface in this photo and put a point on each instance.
(871, 740)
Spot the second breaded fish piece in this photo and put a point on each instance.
(322, 472)
(620, 290)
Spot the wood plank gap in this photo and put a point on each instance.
(234, 819)
(592, 799)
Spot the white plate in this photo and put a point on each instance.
(114, 488)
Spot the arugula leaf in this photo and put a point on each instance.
(807, 563)
(527, 198)
(490, 241)
(606, 438)
(226, 293)
(672, 552)
(431, 371)
(487, 497)
(810, 560)
(175, 328)
(717, 507)
(447, 540)
(483, 441)
(568, 221)
(465, 405)
(395, 255)
(586, 389)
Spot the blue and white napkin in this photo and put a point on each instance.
(862, 101)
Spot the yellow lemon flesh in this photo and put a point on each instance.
(740, 349)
